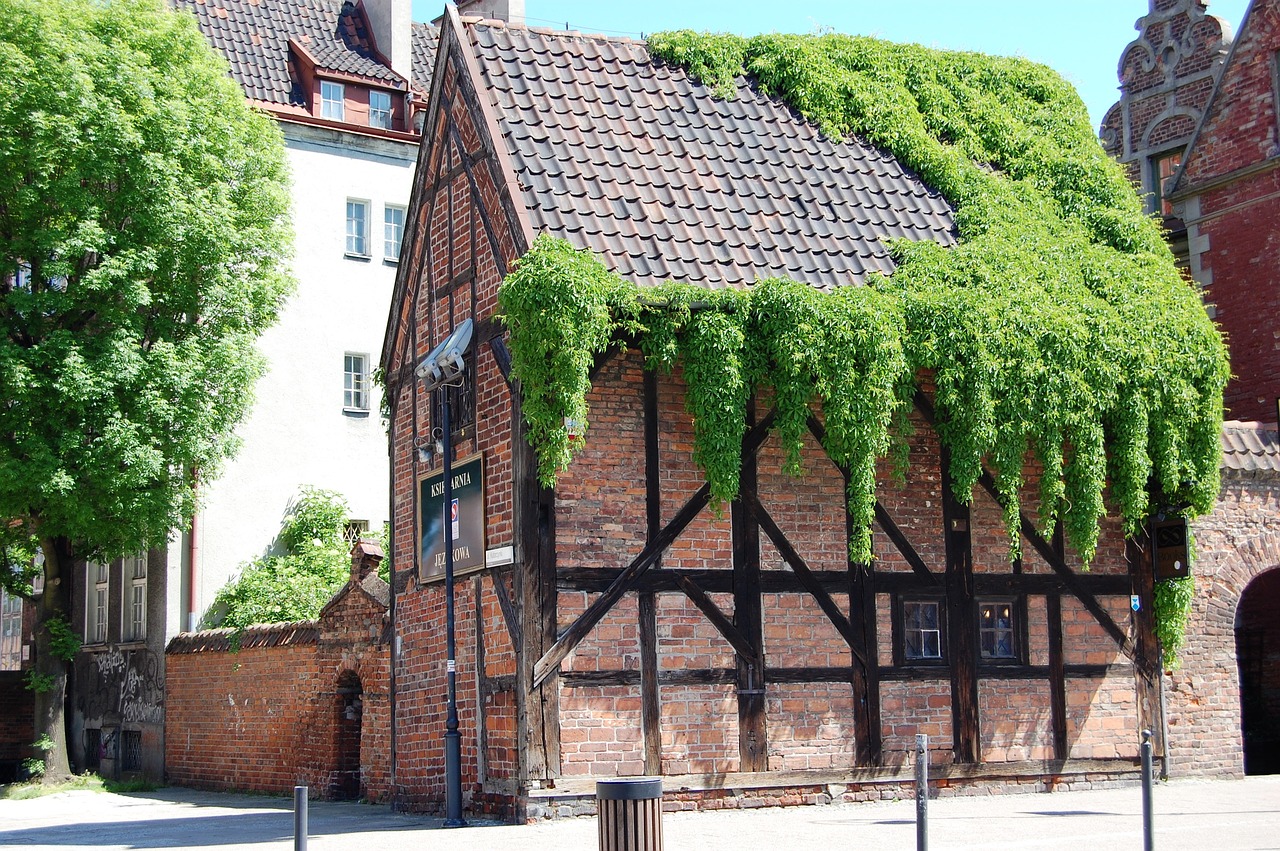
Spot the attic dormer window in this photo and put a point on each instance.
(331, 97)
(380, 110)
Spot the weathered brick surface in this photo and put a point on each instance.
(1232, 189)
(274, 714)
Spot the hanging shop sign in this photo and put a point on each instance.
(465, 516)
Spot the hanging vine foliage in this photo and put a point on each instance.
(1059, 328)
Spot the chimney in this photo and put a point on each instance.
(511, 11)
(366, 555)
(392, 26)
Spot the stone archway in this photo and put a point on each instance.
(347, 782)
(1257, 633)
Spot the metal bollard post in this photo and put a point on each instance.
(1148, 817)
(922, 792)
(299, 818)
(630, 813)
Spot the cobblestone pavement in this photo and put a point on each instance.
(1191, 815)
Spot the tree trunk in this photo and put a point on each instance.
(51, 703)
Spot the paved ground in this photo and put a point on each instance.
(1189, 815)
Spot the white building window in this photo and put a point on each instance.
(355, 394)
(358, 228)
(98, 586)
(922, 630)
(380, 109)
(392, 231)
(136, 611)
(10, 631)
(331, 98)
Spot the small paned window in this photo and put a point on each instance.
(98, 580)
(1163, 167)
(10, 631)
(393, 232)
(355, 394)
(331, 100)
(357, 228)
(922, 630)
(997, 636)
(136, 612)
(380, 109)
(354, 531)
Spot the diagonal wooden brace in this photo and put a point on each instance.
(801, 569)
(709, 608)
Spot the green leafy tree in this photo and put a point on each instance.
(144, 240)
(295, 585)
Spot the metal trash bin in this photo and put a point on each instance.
(630, 811)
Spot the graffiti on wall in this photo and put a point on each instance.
(124, 684)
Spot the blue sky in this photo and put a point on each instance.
(1081, 39)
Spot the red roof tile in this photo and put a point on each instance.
(1249, 446)
(638, 162)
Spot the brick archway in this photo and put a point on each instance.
(1203, 695)
(1258, 653)
(347, 782)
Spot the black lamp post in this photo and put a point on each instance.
(452, 738)
(441, 369)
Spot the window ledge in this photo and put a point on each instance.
(391, 261)
(355, 412)
(363, 258)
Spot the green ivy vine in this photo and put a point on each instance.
(1059, 329)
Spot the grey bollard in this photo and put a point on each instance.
(922, 792)
(299, 818)
(1148, 808)
(630, 813)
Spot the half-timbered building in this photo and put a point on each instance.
(620, 623)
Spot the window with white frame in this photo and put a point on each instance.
(10, 631)
(136, 611)
(357, 228)
(922, 630)
(355, 394)
(331, 100)
(392, 231)
(97, 598)
(380, 109)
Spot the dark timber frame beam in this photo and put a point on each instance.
(962, 627)
(748, 617)
(650, 697)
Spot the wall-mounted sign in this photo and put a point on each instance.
(465, 516)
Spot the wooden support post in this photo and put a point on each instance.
(1057, 663)
(538, 706)
(1147, 663)
(753, 742)
(650, 697)
(865, 669)
(962, 628)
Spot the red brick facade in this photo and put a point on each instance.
(1064, 710)
(295, 704)
(1230, 193)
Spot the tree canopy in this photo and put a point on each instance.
(144, 240)
(144, 245)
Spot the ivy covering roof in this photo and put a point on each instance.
(1056, 328)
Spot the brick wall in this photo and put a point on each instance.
(304, 703)
(17, 730)
(1232, 189)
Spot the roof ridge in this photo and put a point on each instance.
(498, 23)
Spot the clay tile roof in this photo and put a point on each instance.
(265, 635)
(634, 160)
(1250, 446)
(254, 36)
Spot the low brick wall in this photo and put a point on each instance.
(17, 713)
(286, 704)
